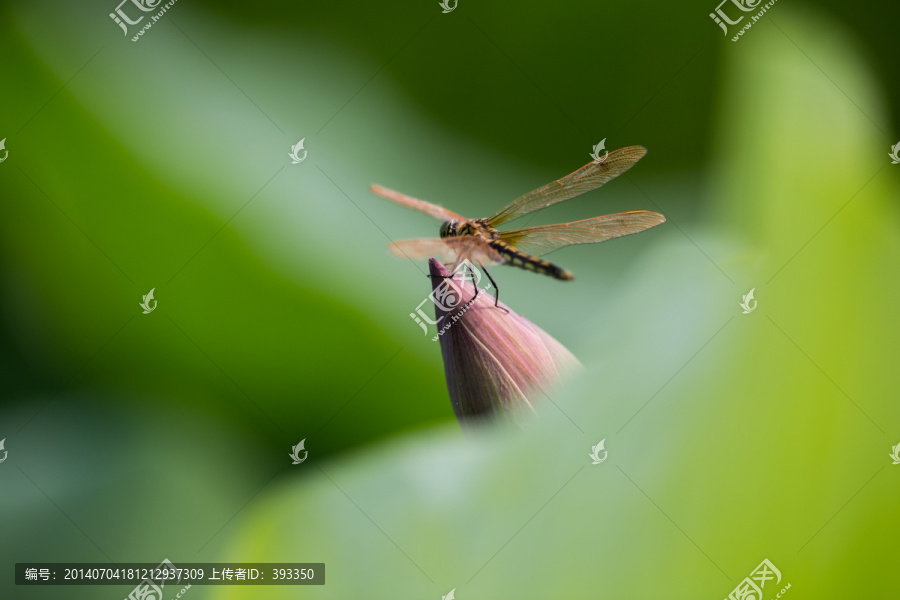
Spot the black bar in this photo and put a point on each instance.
(168, 574)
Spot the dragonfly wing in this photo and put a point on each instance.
(449, 250)
(587, 178)
(547, 238)
(438, 212)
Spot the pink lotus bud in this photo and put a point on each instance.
(494, 359)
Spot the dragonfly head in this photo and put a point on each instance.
(449, 229)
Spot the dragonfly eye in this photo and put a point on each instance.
(448, 229)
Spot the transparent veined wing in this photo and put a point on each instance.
(438, 212)
(587, 178)
(449, 250)
(547, 238)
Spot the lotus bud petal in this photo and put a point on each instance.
(495, 360)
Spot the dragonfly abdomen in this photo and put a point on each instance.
(520, 259)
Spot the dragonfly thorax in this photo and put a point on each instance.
(456, 227)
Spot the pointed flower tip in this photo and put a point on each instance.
(495, 360)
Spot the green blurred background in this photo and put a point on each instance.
(164, 164)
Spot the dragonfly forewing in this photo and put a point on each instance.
(587, 178)
(438, 212)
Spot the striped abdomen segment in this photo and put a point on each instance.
(528, 262)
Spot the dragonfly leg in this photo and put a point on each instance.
(453, 274)
(496, 289)
(474, 284)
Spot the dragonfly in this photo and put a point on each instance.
(480, 242)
